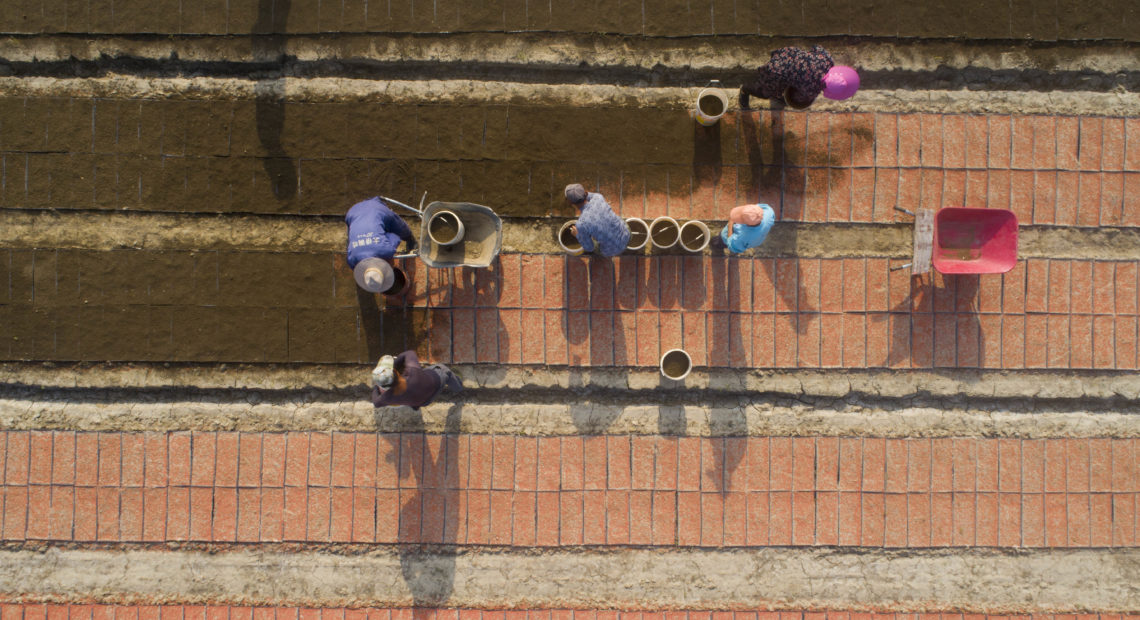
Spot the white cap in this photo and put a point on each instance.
(384, 375)
(374, 275)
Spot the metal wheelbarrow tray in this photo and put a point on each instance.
(482, 237)
(972, 240)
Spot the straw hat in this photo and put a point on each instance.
(374, 275)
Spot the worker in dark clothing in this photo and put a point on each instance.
(796, 77)
(374, 234)
(402, 381)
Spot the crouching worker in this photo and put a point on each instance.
(374, 234)
(748, 227)
(401, 380)
(598, 227)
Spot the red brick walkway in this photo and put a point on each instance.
(608, 490)
(784, 313)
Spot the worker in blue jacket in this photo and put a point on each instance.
(374, 234)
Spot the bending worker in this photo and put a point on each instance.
(374, 234)
(796, 77)
(401, 380)
(748, 227)
(597, 223)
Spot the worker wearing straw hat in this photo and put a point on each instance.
(374, 234)
(796, 77)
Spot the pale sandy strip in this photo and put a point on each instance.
(823, 383)
(474, 92)
(544, 419)
(967, 580)
(269, 233)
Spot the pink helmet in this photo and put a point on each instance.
(840, 82)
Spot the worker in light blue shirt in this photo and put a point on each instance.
(748, 227)
(598, 225)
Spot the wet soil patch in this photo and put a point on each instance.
(692, 237)
(638, 234)
(399, 283)
(444, 228)
(568, 239)
(711, 105)
(675, 364)
(664, 233)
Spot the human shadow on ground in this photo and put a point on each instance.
(592, 325)
(268, 43)
(429, 519)
(776, 173)
(390, 327)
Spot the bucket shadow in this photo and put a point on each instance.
(729, 428)
(594, 313)
(268, 45)
(707, 162)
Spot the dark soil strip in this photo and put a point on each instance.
(942, 78)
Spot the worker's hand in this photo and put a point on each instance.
(574, 230)
(411, 245)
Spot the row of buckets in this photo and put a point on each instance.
(663, 233)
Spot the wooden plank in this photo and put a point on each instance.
(923, 240)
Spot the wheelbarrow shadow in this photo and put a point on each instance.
(937, 325)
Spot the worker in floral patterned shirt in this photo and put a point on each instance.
(796, 77)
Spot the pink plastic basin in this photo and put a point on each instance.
(969, 240)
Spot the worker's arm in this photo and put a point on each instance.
(408, 359)
(395, 224)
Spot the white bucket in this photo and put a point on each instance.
(638, 233)
(695, 236)
(711, 104)
(441, 220)
(676, 364)
(567, 241)
(664, 232)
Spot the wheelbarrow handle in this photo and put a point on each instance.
(410, 255)
(903, 266)
(419, 211)
(908, 212)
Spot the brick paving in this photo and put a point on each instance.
(596, 490)
(975, 19)
(736, 312)
(814, 166)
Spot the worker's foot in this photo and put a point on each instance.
(742, 99)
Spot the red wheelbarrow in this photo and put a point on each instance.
(964, 240)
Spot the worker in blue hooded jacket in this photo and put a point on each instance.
(374, 234)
